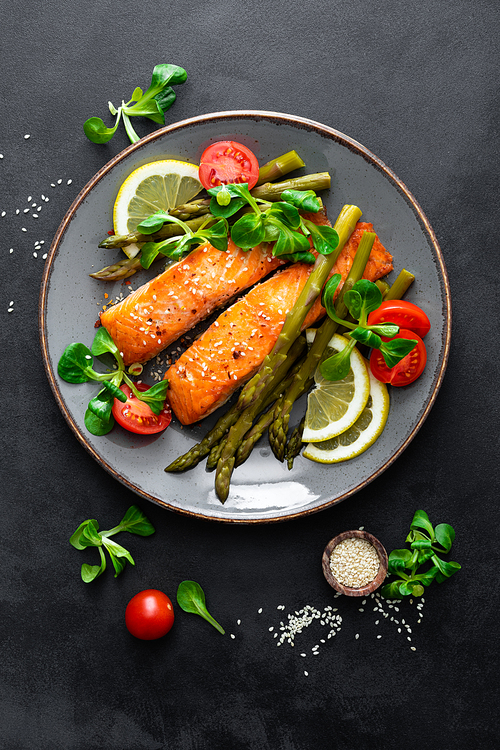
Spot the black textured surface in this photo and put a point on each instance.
(415, 84)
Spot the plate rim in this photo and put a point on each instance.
(294, 120)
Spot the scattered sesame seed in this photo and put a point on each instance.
(259, 611)
(233, 636)
(59, 182)
(27, 136)
(69, 182)
(35, 255)
(11, 250)
(23, 229)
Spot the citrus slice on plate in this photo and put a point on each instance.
(334, 405)
(363, 433)
(157, 186)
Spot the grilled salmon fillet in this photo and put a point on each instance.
(231, 350)
(160, 311)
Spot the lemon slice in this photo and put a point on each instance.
(157, 186)
(363, 433)
(334, 405)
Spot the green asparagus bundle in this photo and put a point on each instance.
(255, 391)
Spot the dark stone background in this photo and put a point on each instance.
(417, 85)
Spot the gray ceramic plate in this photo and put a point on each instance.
(263, 489)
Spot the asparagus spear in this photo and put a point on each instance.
(195, 454)
(255, 391)
(294, 445)
(403, 281)
(280, 166)
(279, 428)
(168, 230)
(121, 270)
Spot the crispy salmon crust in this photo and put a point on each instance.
(160, 311)
(231, 350)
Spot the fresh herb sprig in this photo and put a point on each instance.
(88, 535)
(427, 543)
(152, 103)
(178, 246)
(76, 366)
(191, 598)
(361, 300)
(278, 222)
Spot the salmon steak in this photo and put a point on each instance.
(232, 349)
(160, 311)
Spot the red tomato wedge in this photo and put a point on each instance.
(406, 371)
(136, 416)
(403, 314)
(228, 162)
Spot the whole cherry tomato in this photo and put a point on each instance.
(406, 371)
(149, 615)
(403, 314)
(136, 416)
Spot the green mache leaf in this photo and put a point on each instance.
(217, 235)
(97, 132)
(417, 589)
(399, 560)
(445, 569)
(97, 426)
(288, 241)
(385, 329)
(362, 299)
(248, 232)
(90, 536)
(102, 404)
(324, 238)
(148, 105)
(191, 598)
(285, 214)
(149, 253)
(165, 99)
(328, 295)
(118, 564)
(421, 521)
(136, 95)
(338, 366)
(395, 350)
(116, 550)
(299, 258)
(103, 343)
(218, 210)
(424, 555)
(153, 223)
(91, 572)
(406, 588)
(76, 538)
(306, 200)
(391, 590)
(75, 365)
(115, 391)
(135, 522)
(421, 544)
(445, 535)
(364, 336)
(155, 396)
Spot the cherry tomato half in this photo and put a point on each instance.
(228, 162)
(136, 416)
(406, 371)
(403, 314)
(149, 615)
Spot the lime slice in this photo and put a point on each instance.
(363, 433)
(334, 405)
(157, 186)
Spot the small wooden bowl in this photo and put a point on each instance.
(372, 585)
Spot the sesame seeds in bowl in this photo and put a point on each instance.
(355, 563)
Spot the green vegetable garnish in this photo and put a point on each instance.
(361, 300)
(153, 103)
(178, 246)
(426, 545)
(88, 535)
(191, 598)
(76, 366)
